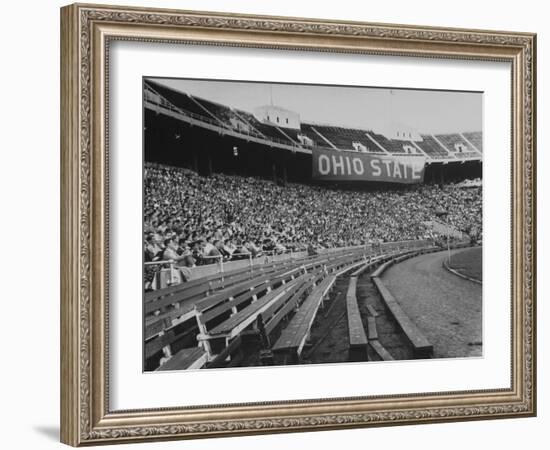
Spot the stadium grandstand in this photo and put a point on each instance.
(243, 245)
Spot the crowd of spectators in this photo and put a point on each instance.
(197, 220)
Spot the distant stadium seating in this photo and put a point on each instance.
(178, 99)
(318, 141)
(475, 138)
(267, 131)
(450, 146)
(432, 148)
(390, 145)
(343, 138)
(457, 145)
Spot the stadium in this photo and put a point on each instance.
(273, 240)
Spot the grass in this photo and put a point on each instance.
(469, 263)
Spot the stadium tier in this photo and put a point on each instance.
(442, 147)
(317, 139)
(457, 145)
(391, 146)
(476, 138)
(268, 131)
(178, 99)
(432, 148)
(239, 214)
(344, 138)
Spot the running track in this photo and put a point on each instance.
(445, 307)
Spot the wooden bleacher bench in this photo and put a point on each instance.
(379, 349)
(217, 301)
(291, 305)
(421, 346)
(229, 352)
(237, 298)
(293, 337)
(224, 303)
(186, 359)
(357, 338)
(159, 330)
(371, 328)
(200, 288)
(242, 319)
(372, 311)
(188, 308)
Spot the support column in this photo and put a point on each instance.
(195, 161)
(209, 164)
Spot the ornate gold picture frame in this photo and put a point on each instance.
(87, 32)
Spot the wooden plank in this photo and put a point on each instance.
(285, 274)
(371, 328)
(186, 359)
(381, 351)
(220, 359)
(357, 336)
(207, 316)
(154, 328)
(265, 279)
(291, 304)
(372, 311)
(188, 308)
(248, 315)
(199, 287)
(198, 292)
(382, 268)
(165, 321)
(366, 266)
(421, 346)
(293, 336)
(154, 295)
(157, 344)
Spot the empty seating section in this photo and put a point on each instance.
(269, 131)
(343, 138)
(475, 138)
(172, 305)
(293, 337)
(421, 346)
(218, 309)
(291, 133)
(354, 135)
(357, 337)
(179, 100)
(432, 148)
(187, 358)
(318, 141)
(459, 147)
(223, 113)
(334, 135)
(450, 146)
(389, 145)
(265, 306)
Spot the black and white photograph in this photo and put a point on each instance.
(289, 224)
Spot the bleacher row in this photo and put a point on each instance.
(203, 323)
(359, 340)
(439, 147)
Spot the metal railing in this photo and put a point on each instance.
(158, 100)
(222, 264)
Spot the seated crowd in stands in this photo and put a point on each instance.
(196, 220)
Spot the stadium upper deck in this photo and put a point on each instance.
(447, 148)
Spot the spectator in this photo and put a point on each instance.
(215, 212)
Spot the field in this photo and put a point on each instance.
(469, 263)
(445, 307)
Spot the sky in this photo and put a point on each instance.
(355, 107)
